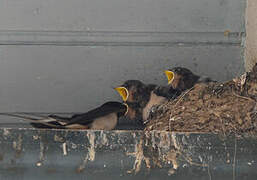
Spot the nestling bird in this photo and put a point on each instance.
(136, 95)
(182, 78)
(104, 117)
(141, 98)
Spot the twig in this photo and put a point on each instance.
(177, 103)
(170, 124)
(184, 95)
(243, 97)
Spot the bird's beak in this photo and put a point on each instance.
(169, 75)
(123, 93)
(127, 109)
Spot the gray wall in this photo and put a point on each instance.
(65, 56)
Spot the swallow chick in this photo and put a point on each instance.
(141, 97)
(104, 117)
(135, 91)
(135, 94)
(182, 78)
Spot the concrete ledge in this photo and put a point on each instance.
(62, 154)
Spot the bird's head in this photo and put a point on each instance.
(131, 90)
(180, 78)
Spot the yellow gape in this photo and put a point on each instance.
(169, 75)
(127, 109)
(123, 93)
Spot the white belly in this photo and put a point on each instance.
(107, 122)
(154, 100)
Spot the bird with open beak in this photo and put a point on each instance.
(141, 98)
(104, 117)
(182, 78)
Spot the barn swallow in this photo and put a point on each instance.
(104, 117)
(135, 94)
(141, 97)
(182, 78)
(135, 91)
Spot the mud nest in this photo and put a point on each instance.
(228, 107)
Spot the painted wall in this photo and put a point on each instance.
(66, 56)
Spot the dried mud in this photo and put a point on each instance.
(228, 107)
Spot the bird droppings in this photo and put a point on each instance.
(17, 145)
(73, 146)
(139, 151)
(42, 150)
(38, 164)
(171, 172)
(165, 141)
(139, 157)
(104, 138)
(162, 149)
(91, 149)
(225, 108)
(171, 157)
(14, 144)
(6, 132)
(64, 149)
(36, 137)
(58, 138)
(228, 158)
(173, 136)
(90, 155)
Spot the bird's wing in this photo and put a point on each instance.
(167, 92)
(204, 79)
(60, 118)
(88, 117)
(54, 121)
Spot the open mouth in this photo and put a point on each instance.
(169, 75)
(127, 109)
(123, 93)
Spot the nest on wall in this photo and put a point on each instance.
(228, 107)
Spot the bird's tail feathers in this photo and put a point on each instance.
(44, 122)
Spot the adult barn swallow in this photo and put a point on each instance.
(104, 117)
(182, 78)
(141, 97)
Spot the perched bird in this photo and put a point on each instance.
(104, 117)
(141, 98)
(136, 95)
(182, 78)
